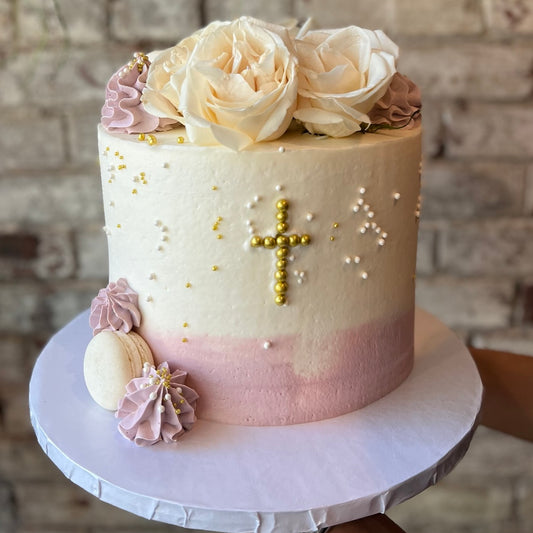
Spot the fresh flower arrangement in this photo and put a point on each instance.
(242, 82)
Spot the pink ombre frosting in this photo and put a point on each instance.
(123, 111)
(115, 308)
(157, 406)
(241, 382)
(400, 106)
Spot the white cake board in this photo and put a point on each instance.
(285, 479)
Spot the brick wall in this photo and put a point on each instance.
(473, 60)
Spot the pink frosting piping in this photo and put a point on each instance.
(115, 308)
(123, 111)
(400, 106)
(157, 406)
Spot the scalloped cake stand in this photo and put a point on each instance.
(284, 479)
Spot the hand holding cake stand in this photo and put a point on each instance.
(290, 479)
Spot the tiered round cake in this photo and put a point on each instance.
(261, 190)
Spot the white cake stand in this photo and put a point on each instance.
(283, 479)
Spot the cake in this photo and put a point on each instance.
(261, 193)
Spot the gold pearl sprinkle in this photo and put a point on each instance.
(141, 136)
(214, 268)
(107, 148)
(269, 242)
(188, 285)
(121, 167)
(219, 219)
(219, 236)
(335, 224)
(121, 157)
(214, 188)
(280, 299)
(331, 238)
(117, 153)
(256, 241)
(185, 324)
(142, 174)
(294, 240)
(282, 227)
(185, 339)
(119, 226)
(152, 140)
(305, 240)
(280, 275)
(180, 140)
(282, 204)
(134, 191)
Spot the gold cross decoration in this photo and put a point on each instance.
(283, 242)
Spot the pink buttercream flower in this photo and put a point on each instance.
(115, 308)
(157, 406)
(400, 106)
(123, 111)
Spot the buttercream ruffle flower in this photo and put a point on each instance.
(123, 111)
(236, 86)
(400, 106)
(343, 73)
(115, 308)
(157, 406)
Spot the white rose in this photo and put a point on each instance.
(236, 86)
(165, 76)
(343, 73)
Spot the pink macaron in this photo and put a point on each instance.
(112, 360)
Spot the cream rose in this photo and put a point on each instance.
(161, 95)
(343, 73)
(234, 84)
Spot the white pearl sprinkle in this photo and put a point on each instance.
(397, 196)
(302, 274)
(364, 275)
(373, 225)
(267, 345)
(161, 409)
(370, 214)
(153, 395)
(164, 228)
(381, 242)
(384, 235)
(164, 237)
(348, 260)
(291, 258)
(281, 149)
(363, 230)
(157, 223)
(250, 205)
(309, 216)
(111, 203)
(296, 273)
(151, 276)
(257, 198)
(135, 179)
(366, 207)
(367, 225)
(279, 188)
(179, 390)
(152, 382)
(149, 298)
(251, 230)
(360, 201)
(165, 165)
(111, 168)
(248, 222)
(356, 259)
(362, 190)
(146, 364)
(168, 397)
(378, 230)
(300, 281)
(355, 209)
(160, 248)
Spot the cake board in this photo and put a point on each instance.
(283, 479)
